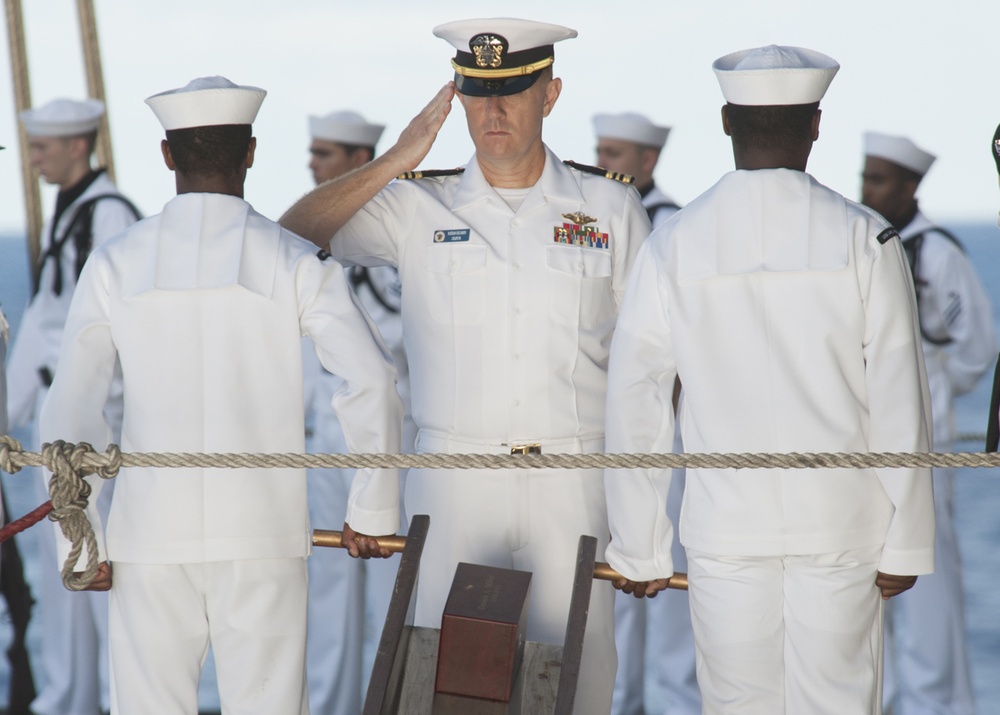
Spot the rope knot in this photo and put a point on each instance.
(9, 447)
(69, 492)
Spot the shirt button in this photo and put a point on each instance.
(517, 356)
(517, 266)
(517, 403)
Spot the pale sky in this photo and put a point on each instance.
(924, 68)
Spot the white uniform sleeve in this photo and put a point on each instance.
(965, 311)
(73, 409)
(640, 419)
(635, 227)
(367, 404)
(370, 237)
(899, 406)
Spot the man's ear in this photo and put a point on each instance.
(552, 91)
(725, 121)
(168, 158)
(815, 124)
(250, 150)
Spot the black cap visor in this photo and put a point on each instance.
(477, 87)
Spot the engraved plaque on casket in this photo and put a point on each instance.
(482, 632)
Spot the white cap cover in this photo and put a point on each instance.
(206, 102)
(345, 128)
(63, 118)
(775, 75)
(898, 150)
(630, 127)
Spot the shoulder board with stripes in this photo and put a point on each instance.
(617, 176)
(431, 173)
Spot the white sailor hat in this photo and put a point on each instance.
(345, 128)
(630, 127)
(775, 75)
(206, 102)
(898, 150)
(63, 118)
(502, 55)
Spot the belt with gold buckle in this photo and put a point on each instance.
(522, 449)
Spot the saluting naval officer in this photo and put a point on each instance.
(348, 598)
(204, 304)
(653, 637)
(512, 270)
(89, 210)
(788, 313)
(927, 660)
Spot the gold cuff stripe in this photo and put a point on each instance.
(502, 73)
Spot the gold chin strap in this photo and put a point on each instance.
(502, 74)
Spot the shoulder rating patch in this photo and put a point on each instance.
(886, 235)
(451, 235)
(575, 234)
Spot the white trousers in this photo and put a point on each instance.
(927, 662)
(787, 634)
(655, 643)
(530, 520)
(164, 616)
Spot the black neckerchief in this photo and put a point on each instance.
(66, 197)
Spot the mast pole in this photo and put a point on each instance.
(22, 101)
(95, 81)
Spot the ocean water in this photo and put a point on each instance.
(977, 491)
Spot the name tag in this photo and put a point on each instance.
(452, 235)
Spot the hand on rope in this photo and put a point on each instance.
(69, 492)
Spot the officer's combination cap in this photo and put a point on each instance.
(500, 56)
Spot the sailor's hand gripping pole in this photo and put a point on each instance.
(395, 544)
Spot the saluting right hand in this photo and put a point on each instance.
(416, 140)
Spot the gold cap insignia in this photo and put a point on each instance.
(489, 50)
(579, 218)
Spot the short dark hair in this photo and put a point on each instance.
(210, 151)
(770, 126)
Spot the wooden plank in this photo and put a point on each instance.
(576, 624)
(382, 697)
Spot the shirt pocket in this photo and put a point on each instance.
(456, 283)
(580, 286)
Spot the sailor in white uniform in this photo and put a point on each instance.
(204, 304)
(927, 661)
(653, 637)
(348, 598)
(787, 312)
(512, 271)
(89, 210)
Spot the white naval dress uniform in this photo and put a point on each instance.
(927, 663)
(793, 329)
(73, 657)
(507, 322)
(204, 305)
(348, 598)
(653, 637)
